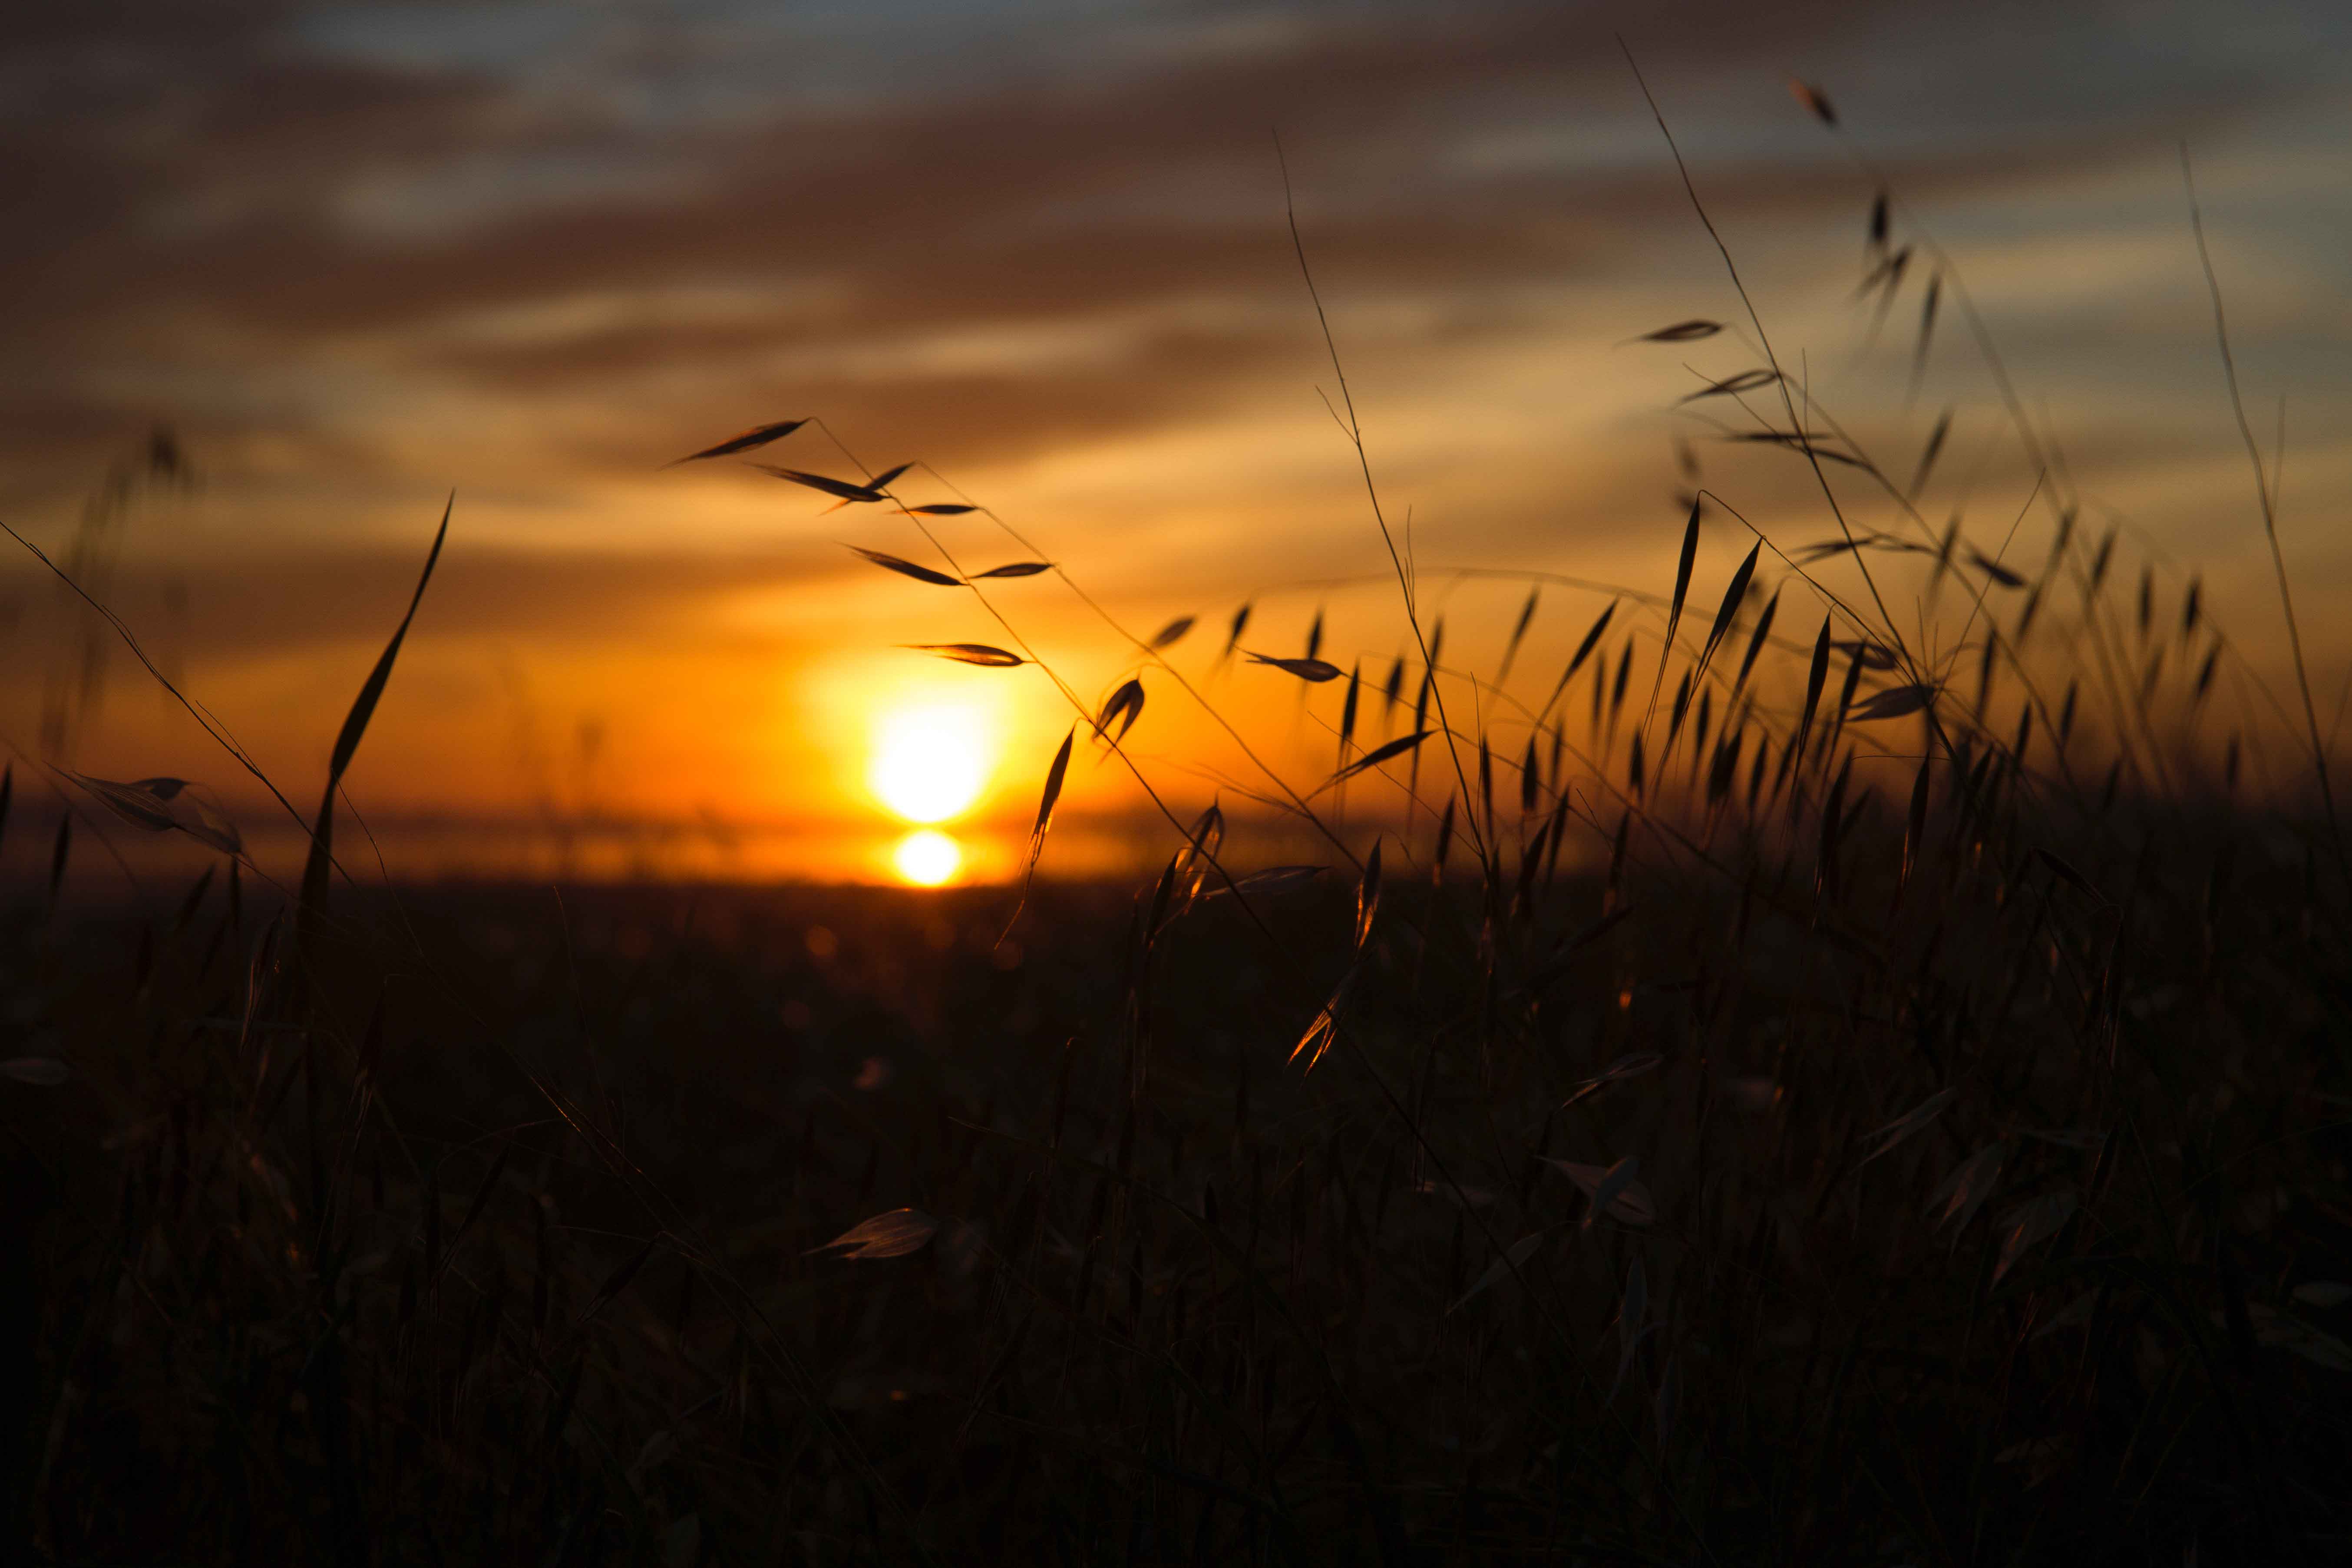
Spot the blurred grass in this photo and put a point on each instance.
(1186, 1304)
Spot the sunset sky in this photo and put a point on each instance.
(358, 256)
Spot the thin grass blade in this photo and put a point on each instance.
(908, 569)
(757, 435)
(968, 653)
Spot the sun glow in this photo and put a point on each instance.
(929, 762)
(927, 858)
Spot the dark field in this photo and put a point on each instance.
(508, 1255)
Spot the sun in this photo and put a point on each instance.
(929, 762)
(927, 858)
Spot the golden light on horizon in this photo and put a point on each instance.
(930, 761)
(928, 857)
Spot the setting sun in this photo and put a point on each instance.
(929, 762)
(927, 858)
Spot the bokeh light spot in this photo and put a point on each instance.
(927, 858)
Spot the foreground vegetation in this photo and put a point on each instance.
(1918, 1137)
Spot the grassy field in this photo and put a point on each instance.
(1920, 1139)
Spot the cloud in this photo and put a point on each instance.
(278, 202)
(356, 254)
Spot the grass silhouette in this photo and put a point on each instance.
(1876, 1095)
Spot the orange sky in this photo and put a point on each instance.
(358, 256)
